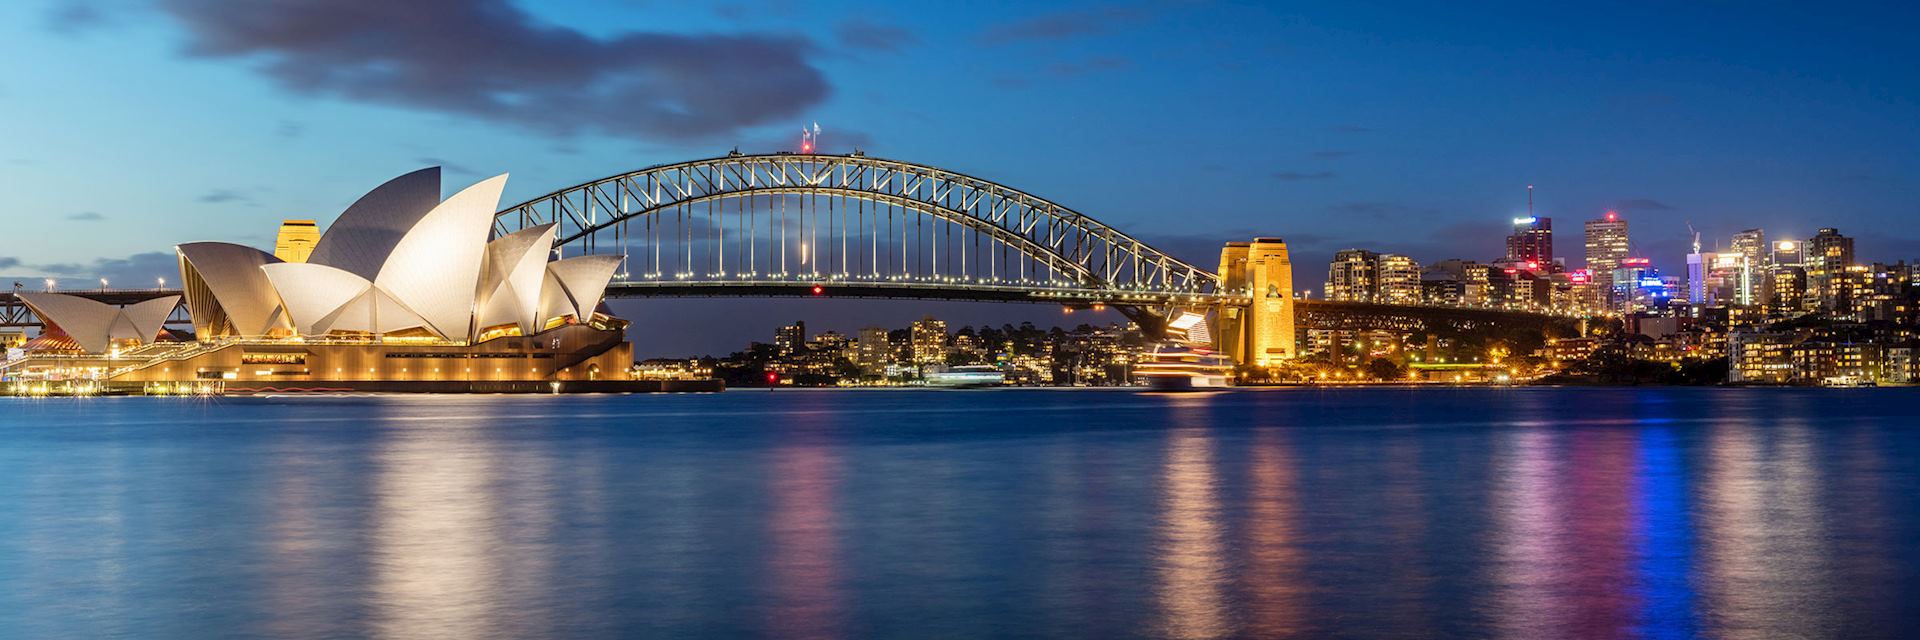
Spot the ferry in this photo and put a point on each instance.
(1185, 369)
(967, 377)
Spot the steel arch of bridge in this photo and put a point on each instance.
(1029, 242)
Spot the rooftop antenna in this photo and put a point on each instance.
(1530, 201)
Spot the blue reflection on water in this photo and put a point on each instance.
(1665, 534)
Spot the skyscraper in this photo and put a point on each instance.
(1827, 255)
(1531, 245)
(929, 337)
(1751, 247)
(1606, 243)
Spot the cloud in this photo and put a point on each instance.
(862, 34)
(1642, 204)
(86, 216)
(76, 17)
(1296, 176)
(218, 196)
(1102, 63)
(444, 165)
(1064, 25)
(288, 129)
(135, 271)
(9, 262)
(490, 60)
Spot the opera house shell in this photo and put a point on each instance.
(404, 291)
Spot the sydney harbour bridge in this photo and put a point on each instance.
(852, 226)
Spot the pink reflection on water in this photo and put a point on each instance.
(1529, 539)
(1600, 568)
(803, 568)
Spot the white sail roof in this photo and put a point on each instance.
(313, 292)
(514, 273)
(435, 268)
(94, 324)
(240, 290)
(364, 235)
(583, 281)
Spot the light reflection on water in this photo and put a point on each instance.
(1521, 513)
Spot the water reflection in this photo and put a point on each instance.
(1529, 540)
(804, 565)
(434, 543)
(1192, 567)
(1273, 575)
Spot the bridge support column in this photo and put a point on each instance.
(1262, 332)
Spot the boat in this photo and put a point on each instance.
(1177, 368)
(967, 377)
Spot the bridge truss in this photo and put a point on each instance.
(744, 222)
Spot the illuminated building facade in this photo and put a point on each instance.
(1751, 246)
(403, 292)
(1531, 243)
(929, 341)
(296, 240)
(1606, 243)
(1827, 256)
(1262, 333)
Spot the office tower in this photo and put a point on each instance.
(296, 240)
(1351, 276)
(1531, 245)
(790, 338)
(1751, 246)
(929, 338)
(1827, 256)
(1606, 244)
(1699, 266)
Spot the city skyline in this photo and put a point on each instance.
(1306, 136)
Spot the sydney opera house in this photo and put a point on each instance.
(403, 292)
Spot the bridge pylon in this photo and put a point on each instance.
(1260, 333)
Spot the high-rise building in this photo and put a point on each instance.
(1606, 243)
(1751, 246)
(1358, 275)
(1399, 279)
(296, 240)
(929, 338)
(789, 339)
(1531, 245)
(873, 352)
(1827, 257)
(1351, 276)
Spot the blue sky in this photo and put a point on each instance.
(127, 127)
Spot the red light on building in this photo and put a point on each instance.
(1612, 216)
(1636, 262)
(817, 290)
(773, 378)
(1533, 265)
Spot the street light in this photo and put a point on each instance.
(162, 281)
(103, 284)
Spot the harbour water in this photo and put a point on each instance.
(1516, 513)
